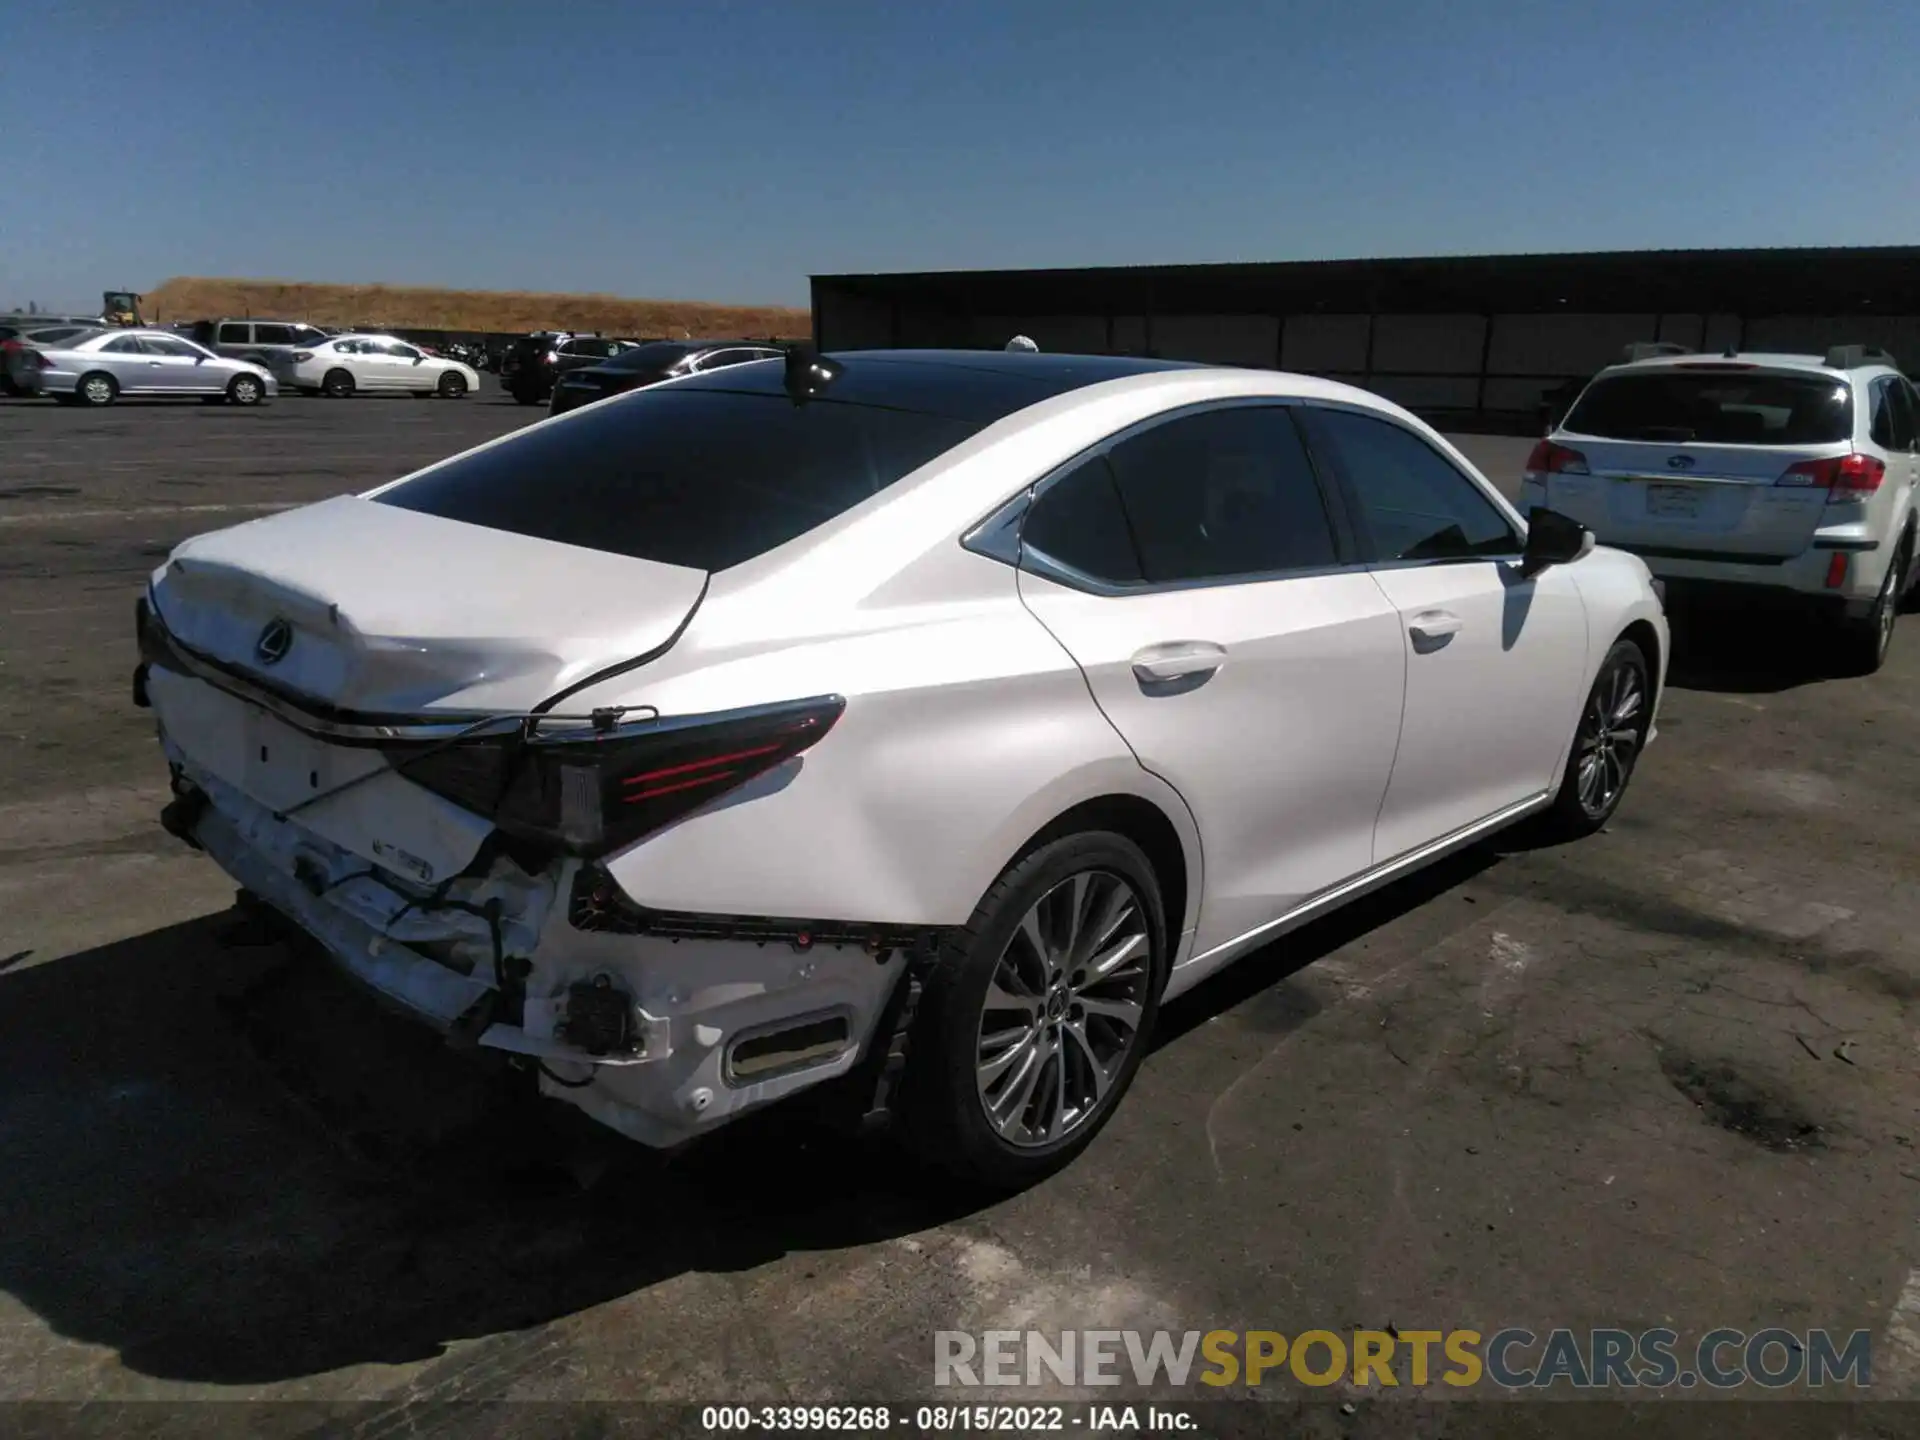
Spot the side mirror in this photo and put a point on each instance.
(1553, 539)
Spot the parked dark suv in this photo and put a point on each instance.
(650, 364)
(531, 364)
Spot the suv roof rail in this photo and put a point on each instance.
(1653, 350)
(1849, 357)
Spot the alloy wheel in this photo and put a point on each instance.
(98, 389)
(1887, 606)
(1610, 733)
(1063, 1009)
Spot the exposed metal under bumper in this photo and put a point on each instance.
(436, 994)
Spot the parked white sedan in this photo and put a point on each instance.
(917, 720)
(348, 364)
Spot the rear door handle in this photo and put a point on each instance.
(1178, 660)
(1434, 625)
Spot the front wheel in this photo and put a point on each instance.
(245, 390)
(1035, 1018)
(453, 386)
(1612, 733)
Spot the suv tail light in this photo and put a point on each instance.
(588, 793)
(1843, 477)
(1551, 459)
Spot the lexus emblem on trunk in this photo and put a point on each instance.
(274, 642)
(1679, 462)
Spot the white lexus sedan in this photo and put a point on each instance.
(914, 721)
(347, 364)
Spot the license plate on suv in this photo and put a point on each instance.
(1673, 502)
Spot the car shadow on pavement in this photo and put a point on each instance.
(1262, 981)
(1732, 651)
(229, 1167)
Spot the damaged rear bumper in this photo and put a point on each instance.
(688, 1021)
(450, 1001)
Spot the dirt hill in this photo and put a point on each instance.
(493, 311)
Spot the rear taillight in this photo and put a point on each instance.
(302, 356)
(589, 793)
(34, 360)
(1844, 477)
(1551, 459)
(552, 355)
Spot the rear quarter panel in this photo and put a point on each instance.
(967, 730)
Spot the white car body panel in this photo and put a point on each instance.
(1312, 666)
(380, 373)
(1493, 633)
(983, 703)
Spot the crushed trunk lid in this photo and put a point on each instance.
(369, 608)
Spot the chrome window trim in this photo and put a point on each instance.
(997, 537)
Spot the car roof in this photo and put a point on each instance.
(963, 384)
(1760, 359)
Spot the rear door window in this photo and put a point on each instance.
(1222, 493)
(1909, 412)
(701, 478)
(273, 334)
(236, 334)
(1892, 423)
(1712, 405)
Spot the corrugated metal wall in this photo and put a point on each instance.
(1498, 365)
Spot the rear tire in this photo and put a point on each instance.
(1606, 747)
(1005, 1102)
(97, 388)
(337, 385)
(1864, 643)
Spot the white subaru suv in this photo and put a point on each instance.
(1794, 474)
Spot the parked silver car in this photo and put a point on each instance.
(98, 368)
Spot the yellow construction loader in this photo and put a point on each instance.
(120, 307)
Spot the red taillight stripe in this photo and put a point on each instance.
(714, 779)
(649, 775)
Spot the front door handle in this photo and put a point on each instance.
(1178, 660)
(1434, 625)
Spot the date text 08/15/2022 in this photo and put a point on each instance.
(943, 1419)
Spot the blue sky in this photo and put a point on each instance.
(723, 150)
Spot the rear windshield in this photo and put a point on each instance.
(701, 478)
(1724, 407)
(64, 332)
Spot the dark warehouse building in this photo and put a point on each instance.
(1456, 338)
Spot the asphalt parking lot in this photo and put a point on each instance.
(1666, 1076)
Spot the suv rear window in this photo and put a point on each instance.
(701, 478)
(1728, 407)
